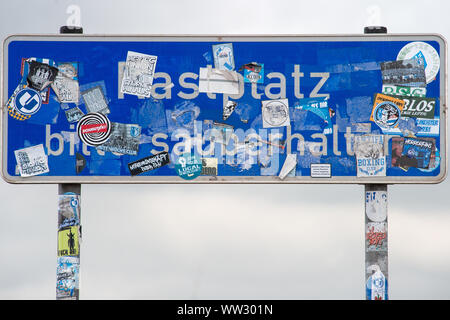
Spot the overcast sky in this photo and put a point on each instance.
(225, 241)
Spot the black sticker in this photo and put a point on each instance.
(40, 75)
(80, 162)
(149, 163)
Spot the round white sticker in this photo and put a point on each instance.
(422, 50)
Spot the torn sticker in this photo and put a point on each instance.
(67, 278)
(149, 163)
(289, 164)
(320, 170)
(66, 89)
(376, 285)
(404, 91)
(275, 113)
(220, 133)
(80, 162)
(376, 205)
(124, 139)
(68, 241)
(95, 100)
(406, 73)
(370, 157)
(209, 166)
(253, 72)
(32, 161)
(94, 129)
(188, 166)
(40, 75)
(228, 109)
(223, 56)
(183, 116)
(218, 81)
(318, 106)
(386, 111)
(424, 52)
(138, 74)
(68, 210)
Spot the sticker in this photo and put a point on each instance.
(67, 278)
(404, 91)
(80, 163)
(188, 166)
(228, 109)
(376, 205)
(40, 75)
(386, 111)
(376, 236)
(418, 107)
(95, 100)
(94, 129)
(220, 133)
(425, 52)
(376, 285)
(32, 161)
(68, 210)
(209, 166)
(370, 158)
(417, 153)
(407, 73)
(74, 114)
(427, 127)
(253, 72)
(435, 161)
(68, 241)
(149, 163)
(275, 113)
(27, 101)
(11, 105)
(289, 164)
(318, 106)
(223, 56)
(218, 81)
(138, 74)
(67, 90)
(124, 139)
(320, 170)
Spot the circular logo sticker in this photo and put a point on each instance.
(386, 114)
(424, 51)
(28, 101)
(188, 166)
(94, 129)
(275, 113)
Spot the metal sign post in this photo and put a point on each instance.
(376, 229)
(69, 229)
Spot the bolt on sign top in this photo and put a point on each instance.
(224, 109)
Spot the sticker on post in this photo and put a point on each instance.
(94, 129)
(376, 236)
(188, 166)
(376, 285)
(422, 51)
(320, 170)
(68, 210)
(149, 163)
(138, 74)
(376, 205)
(67, 278)
(68, 241)
(370, 158)
(32, 161)
(275, 113)
(223, 56)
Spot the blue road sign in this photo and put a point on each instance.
(249, 109)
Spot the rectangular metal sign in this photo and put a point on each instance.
(224, 109)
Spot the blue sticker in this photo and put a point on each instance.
(28, 101)
(188, 166)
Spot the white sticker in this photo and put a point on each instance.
(425, 52)
(376, 205)
(32, 161)
(218, 81)
(138, 74)
(275, 113)
(320, 170)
